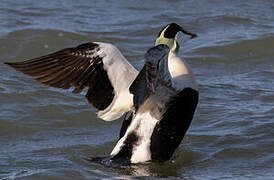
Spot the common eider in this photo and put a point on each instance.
(158, 102)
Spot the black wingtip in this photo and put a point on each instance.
(9, 64)
(13, 65)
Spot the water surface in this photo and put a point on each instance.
(46, 133)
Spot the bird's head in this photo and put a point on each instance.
(168, 36)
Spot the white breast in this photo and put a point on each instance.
(181, 73)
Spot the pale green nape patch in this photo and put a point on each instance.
(166, 41)
(170, 42)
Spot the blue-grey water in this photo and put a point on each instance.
(46, 133)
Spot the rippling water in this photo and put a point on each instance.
(46, 133)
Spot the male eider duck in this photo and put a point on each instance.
(159, 101)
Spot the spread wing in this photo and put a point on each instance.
(100, 67)
(153, 77)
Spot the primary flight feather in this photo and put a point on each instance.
(159, 101)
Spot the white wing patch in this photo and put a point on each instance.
(121, 74)
(100, 67)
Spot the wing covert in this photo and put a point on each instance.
(90, 65)
(153, 75)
